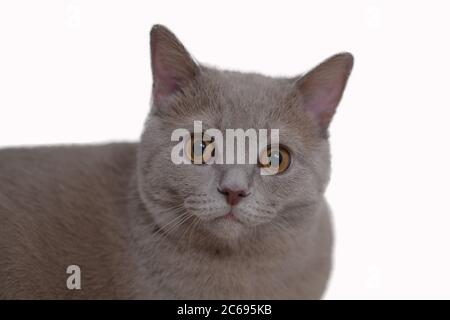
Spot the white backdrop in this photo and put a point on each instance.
(79, 71)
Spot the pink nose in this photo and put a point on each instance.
(233, 196)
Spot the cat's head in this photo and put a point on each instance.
(230, 201)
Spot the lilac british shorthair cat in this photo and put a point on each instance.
(132, 224)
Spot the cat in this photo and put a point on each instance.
(139, 226)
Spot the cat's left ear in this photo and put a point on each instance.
(321, 89)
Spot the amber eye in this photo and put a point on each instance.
(279, 159)
(200, 150)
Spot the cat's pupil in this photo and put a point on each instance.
(275, 158)
(198, 151)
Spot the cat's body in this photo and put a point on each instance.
(62, 206)
(141, 226)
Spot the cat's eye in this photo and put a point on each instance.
(279, 160)
(200, 150)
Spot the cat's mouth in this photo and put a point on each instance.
(229, 216)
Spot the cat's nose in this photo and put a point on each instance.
(234, 184)
(233, 196)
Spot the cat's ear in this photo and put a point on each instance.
(321, 88)
(172, 65)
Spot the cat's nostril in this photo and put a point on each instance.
(243, 193)
(233, 196)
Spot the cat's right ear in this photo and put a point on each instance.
(172, 65)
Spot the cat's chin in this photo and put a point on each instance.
(225, 228)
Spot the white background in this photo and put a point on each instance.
(79, 71)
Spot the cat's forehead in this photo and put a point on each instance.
(244, 88)
(244, 99)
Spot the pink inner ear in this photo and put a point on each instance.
(323, 103)
(170, 74)
(165, 85)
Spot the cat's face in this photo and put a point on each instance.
(228, 201)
